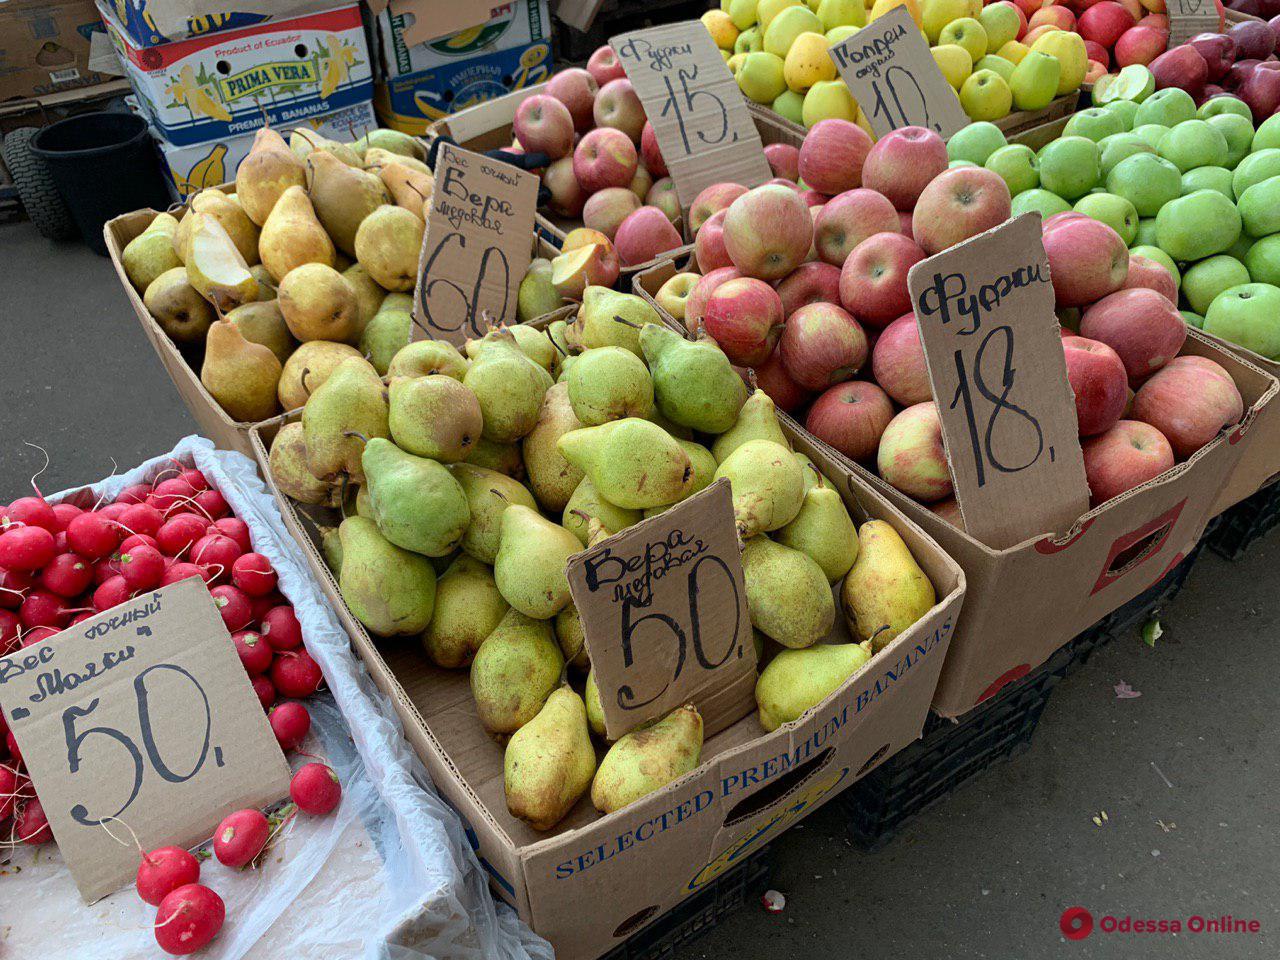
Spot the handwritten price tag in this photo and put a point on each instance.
(991, 343)
(142, 713)
(699, 117)
(893, 76)
(1189, 17)
(476, 248)
(664, 611)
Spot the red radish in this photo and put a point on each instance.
(30, 512)
(105, 569)
(170, 496)
(30, 825)
(180, 532)
(315, 789)
(10, 627)
(67, 575)
(38, 635)
(14, 585)
(216, 553)
(295, 674)
(138, 493)
(255, 653)
(253, 573)
(8, 791)
(263, 605)
(65, 513)
(281, 628)
(43, 609)
(182, 571)
(212, 504)
(137, 539)
(93, 535)
(81, 617)
(26, 548)
(140, 518)
(236, 529)
(188, 919)
(290, 722)
(240, 838)
(233, 605)
(15, 755)
(195, 479)
(112, 511)
(164, 870)
(142, 567)
(112, 593)
(265, 690)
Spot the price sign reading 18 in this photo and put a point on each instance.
(985, 309)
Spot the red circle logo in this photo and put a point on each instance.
(1076, 923)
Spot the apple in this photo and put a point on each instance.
(958, 204)
(641, 183)
(567, 195)
(812, 282)
(1126, 456)
(849, 218)
(1190, 400)
(744, 316)
(1140, 325)
(605, 157)
(1248, 316)
(644, 235)
(1099, 381)
(1087, 261)
(651, 153)
(673, 295)
(1193, 144)
(1070, 166)
(822, 345)
(544, 125)
(811, 197)
(948, 510)
(1198, 225)
(709, 249)
(1239, 72)
(784, 160)
(1181, 67)
(1140, 45)
(1203, 281)
(696, 303)
(618, 106)
(585, 265)
(1253, 40)
(1145, 180)
(1218, 51)
(1053, 16)
(576, 89)
(911, 457)
(832, 156)
(1145, 272)
(1116, 212)
(1094, 71)
(851, 417)
(1103, 23)
(1097, 52)
(1261, 92)
(606, 209)
(901, 164)
(605, 66)
(663, 196)
(897, 362)
(768, 232)
(873, 280)
(718, 196)
(772, 378)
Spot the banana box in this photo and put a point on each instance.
(401, 52)
(220, 86)
(152, 22)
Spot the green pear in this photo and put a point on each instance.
(369, 296)
(423, 358)
(798, 680)
(344, 412)
(514, 671)
(608, 318)
(788, 595)
(468, 608)
(331, 548)
(287, 463)
(304, 142)
(648, 759)
(215, 268)
(388, 243)
(501, 457)
(390, 590)
(609, 383)
(549, 762)
(693, 382)
(509, 386)
(812, 476)
(434, 417)
(262, 322)
(364, 503)
(704, 472)
(632, 463)
(342, 196)
(552, 477)
(535, 345)
(758, 420)
(151, 252)
(293, 236)
(572, 641)
(308, 367)
(529, 569)
(392, 141)
(537, 295)
(586, 504)
(182, 313)
(242, 376)
(265, 173)
(595, 711)
(387, 334)
(416, 502)
(679, 431)
(489, 493)
(319, 304)
(824, 532)
(768, 486)
(885, 591)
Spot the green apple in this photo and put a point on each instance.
(1070, 166)
(1268, 134)
(1192, 319)
(842, 13)
(986, 96)
(1002, 24)
(749, 41)
(967, 33)
(1263, 260)
(828, 99)
(1194, 143)
(786, 26)
(1120, 145)
(1145, 180)
(1260, 208)
(1160, 257)
(999, 64)
(960, 163)
(743, 13)
(760, 76)
(1035, 81)
(1240, 249)
(1203, 281)
(790, 104)
(1041, 201)
(1094, 123)
(1221, 106)
(1256, 167)
(1126, 110)
(1134, 82)
(1146, 233)
(1249, 316)
(1116, 212)
(976, 142)
(1238, 132)
(1197, 225)
(1208, 178)
(1167, 107)
(936, 14)
(1017, 166)
(1152, 133)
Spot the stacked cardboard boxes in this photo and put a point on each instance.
(44, 46)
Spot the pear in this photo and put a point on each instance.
(392, 141)
(183, 314)
(572, 641)
(388, 332)
(632, 463)
(388, 244)
(266, 282)
(344, 412)
(331, 548)
(885, 591)
(293, 236)
(214, 203)
(704, 472)
(768, 486)
(529, 568)
(434, 417)
(537, 296)
(788, 596)
(240, 375)
(265, 173)
(305, 142)
(416, 502)
(287, 463)
(609, 383)
(812, 476)
(262, 322)
(558, 334)
(549, 762)
(410, 188)
(390, 590)
(319, 304)
(535, 345)
(215, 268)
(468, 608)
(611, 319)
(502, 457)
(151, 252)
(308, 367)
(648, 759)
(798, 680)
(552, 477)
(342, 196)
(363, 503)
(376, 157)
(423, 358)
(693, 382)
(369, 295)
(489, 493)
(586, 505)
(514, 671)
(677, 430)
(509, 386)
(823, 531)
(595, 711)
(758, 420)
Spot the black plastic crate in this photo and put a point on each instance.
(666, 936)
(1241, 526)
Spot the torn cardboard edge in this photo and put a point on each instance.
(433, 19)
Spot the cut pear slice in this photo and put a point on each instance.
(215, 267)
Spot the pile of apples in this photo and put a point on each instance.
(1267, 10)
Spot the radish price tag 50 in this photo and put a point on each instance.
(664, 611)
(142, 715)
(703, 128)
(1189, 17)
(476, 248)
(893, 76)
(985, 309)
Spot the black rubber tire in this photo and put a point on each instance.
(39, 194)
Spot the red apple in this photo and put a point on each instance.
(644, 235)
(604, 158)
(911, 455)
(832, 155)
(902, 163)
(1145, 272)
(768, 232)
(576, 89)
(791, 185)
(784, 160)
(718, 196)
(567, 195)
(958, 204)
(1261, 92)
(1052, 16)
(1140, 44)
(1126, 456)
(851, 417)
(849, 218)
(1087, 260)
(1253, 40)
(606, 209)
(1094, 71)
(821, 346)
(604, 65)
(897, 362)
(745, 317)
(663, 196)
(544, 125)
(618, 106)
(1240, 71)
(1099, 382)
(811, 282)
(1140, 325)
(1097, 53)
(1181, 67)
(696, 303)
(1190, 400)
(1218, 51)
(1104, 22)
(873, 281)
(786, 394)
(651, 153)
(709, 250)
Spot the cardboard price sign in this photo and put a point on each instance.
(1189, 17)
(142, 713)
(664, 612)
(893, 76)
(985, 309)
(699, 117)
(476, 248)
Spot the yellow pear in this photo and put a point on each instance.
(388, 244)
(181, 312)
(240, 375)
(293, 235)
(886, 591)
(342, 196)
(549, 762)
(308, 367)
(262, 322)
(648, 759)
(319, 304)
(409, 187)
(215, 267)
(151, 252)
(269, 169)
(242, 231)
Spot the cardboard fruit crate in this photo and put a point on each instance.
(1234, 531)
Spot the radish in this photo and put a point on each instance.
(253, 573)
(138, 493)
(236, 529)
(67, 575)
(255, 653)
(216, 553)
(164, 870)
(112, 511)
(10, 626)
(8, 791)
(14, 753)
(81, 617)
(262, 605)
(43, 609)
(30, 512)
(38, 635)
(14, 585)
(140, 518)
(280, 627)
(265, 690)
(142, 567)
(240, 838)
(195, 479)
(233, 605)
(30, 825)
(26, 548)
(290, 722)
(113, 592)
(93, 535)
(188, 918)
(212, 504)
(64, 513)
(182, 571)
(171, 496)
(138, 539)
(315, 789)
(180, 532)
(294, 674)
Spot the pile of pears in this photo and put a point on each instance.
(468, 478)
(311, 260)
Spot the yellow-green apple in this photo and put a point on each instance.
(1054, 16)
(718, 196)
(645, 234)
(873, 280)
(744, 317)
(986, 95)
(1139, 45)
(604, 65)
(936, 14)
(674, 294)
(1003, 22)
(618, 106)
(606, 209)
(849, 218)
(663, 196)
(1248, 315)
(1104, 22)
(709, 249)
(852, 418)
(1190, 400)
(968, 34)
(544, 125)
(897, 362)
(786, 26)
(604, 157)
(784, 160)
(1140, 325)
(832, 156)
(567, 195)
(958, 204)
(828, 100)
(641, 183)
(1034, 81)
(651, 153)
(1126, 456)
(786, 394)
(911, 456)
(1098, 379)
(902, 163)
(696, 303)
(768, 232)
(821, 345)
(576, 89)
(592, 265)
(812, 282)
(1145, 272)
(1087, 259)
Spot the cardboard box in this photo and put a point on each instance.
(420, 21)
(1259, 464)
(44, 46)
(150, 23)
(231, 83)
(512, 24)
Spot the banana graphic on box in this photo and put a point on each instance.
(188, 91)
(341, 59)
(208, 172)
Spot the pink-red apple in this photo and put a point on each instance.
(851, 417)
(1140, 44)
(832, 155)
(897, 362)
(604, 65)
(1104, 22)
(618, 106)
(812, 282)
(1190, 400)
(576, 89)
(821, 346)
(605, 157)
(1087, 260)
(958, 204)
(606, 209)
(902, 163)
(1140, 325)
(744, 317)
(718, 196)
(544, 125)
(709, 249)
(645, 234)
(1145, 272)
(786, 394)
(849, 218)
(873, 280)
(567, 195)
(696, 304)
(1126, 456)
(1099, 381)
(651, 153)
(768, 232)
(784, 160)
(663, 196)
(911, 455)
(1053, 16)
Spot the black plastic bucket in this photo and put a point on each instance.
(103, 164)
